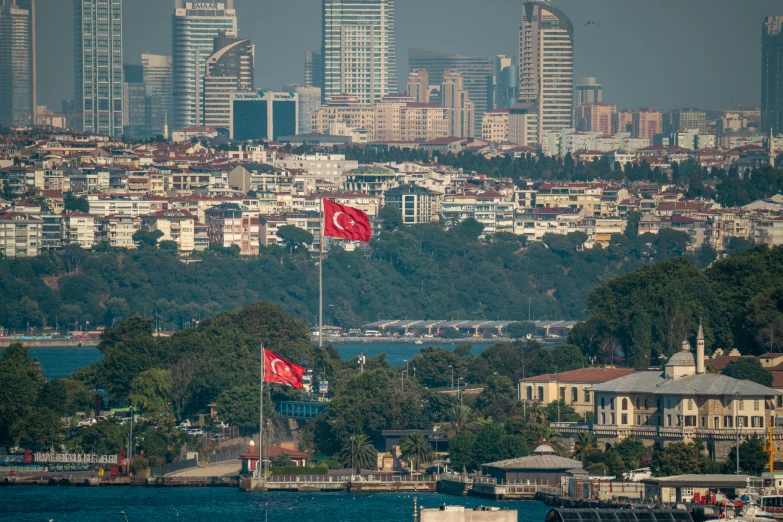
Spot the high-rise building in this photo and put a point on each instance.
(457, 101)
(647, 123)
(623, 121)
(772, 74)
(309, 101)
(194, 29)
(98, 63)
(506, 82)
(136, 114)
(546, 65)
(588, 91)
(358, 49)
(476, 71)
(595, 117)
(681, 120)
(419, 85)
(260, 115)
(158, 84)
(228, 70)
(17, 76)
(314, 70)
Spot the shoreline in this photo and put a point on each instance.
(425, 341)
(52, 342)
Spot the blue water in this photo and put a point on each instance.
(58, 363)
(73, 504)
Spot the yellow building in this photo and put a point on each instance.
(176, 225)
(570, 387)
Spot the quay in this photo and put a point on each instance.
(326, 483)
(50, 342)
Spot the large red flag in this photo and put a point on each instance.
(346, 222)
(281, 371)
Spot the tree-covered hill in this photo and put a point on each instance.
(648, 313)
(421, 271)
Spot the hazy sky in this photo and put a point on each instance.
(656, 53)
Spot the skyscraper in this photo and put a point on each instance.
(135, 120)
(309, 101)
(228, 70)
(457, 101)
(98, 63)
(419, 85)
(194, 29)
(772, 74)
(314, 70)
(546, 65)
(158, 83)
(358, 49)
(17, 99)
(506, 82)
(476, 72)
(588, 92)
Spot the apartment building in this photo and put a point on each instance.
(494, 126)
(176, 225)
(572, 195)
(20, 235)
(79, 228)
(118, 230)
(132, 205)
(572, 387)
(492, 209)
(535, 223)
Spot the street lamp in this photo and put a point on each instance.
(736, 417)
(353, 466)
(459, 392)
(452, 378)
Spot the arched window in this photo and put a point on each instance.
(625, 404)
(646, 405)
(638, 403)
(658, 404)
(603, 402)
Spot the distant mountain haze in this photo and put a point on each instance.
(664, 54)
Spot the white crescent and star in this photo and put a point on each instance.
(337, 223)
(273, 365)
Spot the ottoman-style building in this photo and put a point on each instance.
(683, 404)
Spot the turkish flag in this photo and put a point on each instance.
(346, 222)
(281, 371)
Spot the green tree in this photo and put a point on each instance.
(498, 398)
(40, 428)
(753, 459)
(72, 203)
(151, 392)
(451, 333)
(568, 357)
(416, 449)
(633, 453)
(370, 402)
(462, 419)
(494, 444)
(748, 368)
(434, 365)
(239, 406)
(584, 445)
(168, 246)
(517, 330)
(462, 452)
(146, 238)
(294, 236)
(359, 453)
(21, 381)
(679, 458)
(391, 217)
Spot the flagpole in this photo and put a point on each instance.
(259, 468)
(321, 283)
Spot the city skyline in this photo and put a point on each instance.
(486, 31)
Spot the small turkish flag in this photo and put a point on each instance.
(280, 371)
(346, 222)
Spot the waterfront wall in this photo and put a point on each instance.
(51, 343)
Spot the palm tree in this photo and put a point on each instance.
(359, 453)
(463, 420)
(584, 445)
(415, 448)
(546, 435)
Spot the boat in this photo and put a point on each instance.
(419, 342)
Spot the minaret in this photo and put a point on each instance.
(700, 350)
(771, 143)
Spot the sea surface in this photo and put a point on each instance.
(75, 504)
(58, 363)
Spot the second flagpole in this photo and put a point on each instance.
(321, 283)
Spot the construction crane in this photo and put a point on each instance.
(769, 448)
